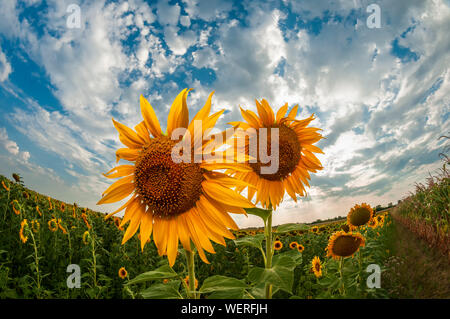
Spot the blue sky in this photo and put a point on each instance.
(380, 94)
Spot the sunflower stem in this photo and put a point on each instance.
(36, 264)
(269, 250)
(191, 273)
(341, 272)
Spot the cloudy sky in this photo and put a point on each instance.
(381, 95)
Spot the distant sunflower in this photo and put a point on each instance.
(53, 225)
(300, 248)
(186, 280)
(315, 229)
(38, 211)
(16, 210)
(342, 244)
(296, 158)
(317, 266)
(359, 215)
(86, 237)
(35, 226)
(373, 223)
(61, 226)
(26, 195)
(62, 207)
(293, 245)
(5, 187)
(117, 222)
(345, 228)
(123, 273)
(277, 245)
(23, 224)
(177, 201)
(84, 217)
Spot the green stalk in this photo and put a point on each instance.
(36, 263)
(269, 250)
(191, 273)
(341, 267)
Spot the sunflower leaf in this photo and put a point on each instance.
(222, 287)
(262, 213)
(281, 274)
(162, 272)
(163, 291)
(252, 241)
(290, 227)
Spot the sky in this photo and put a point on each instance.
(379, 92)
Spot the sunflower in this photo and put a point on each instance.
(84, 217)
(5, 187)
(23, 224)
(177, 200)
(26, 195)
(373, 223)
(317, 267)
(123, 273)
(117, 223)
(86, 237)
(277, 245)
(359, 215)
(186, 280)
(16, 210)
(293, 245)
(35, 226)
(38, 211)
(315, 229)
(300, 248)
(342, 244)
(16, 177)
(295, 146)
(62, 207)
(53, 224)
(345, 228)
(380, 219)
(61, 226)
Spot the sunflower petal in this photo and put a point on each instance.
(178, 114)
(117, 194)
(150, 118)
(127, 136)
(225, 195)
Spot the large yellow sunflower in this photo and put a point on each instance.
(177, 201)
(296, 158)
(342, 244)
(359, 215)
(316, 266)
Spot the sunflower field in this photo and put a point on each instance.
(41, 237)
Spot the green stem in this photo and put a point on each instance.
(269, 250)
(341, 268)
(36, 263)
(191, 273)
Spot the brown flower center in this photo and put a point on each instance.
(289, 153)
(168, 188)
(317, 266)
(360, 216)
(346, 245)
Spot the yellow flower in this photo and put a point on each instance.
(5, 187)
(123, 273)
(186, 280)
(317, 266)
(315, 229)
(372, 223)
(38, 210)
(300, 248)
(16, 210)
(293, 245)
(359, 215)
(84, 217)
(177, 201)
(61, 226)
(86, 237)
(53, 224)
(277, 245)
(342, 244)
(35, 226)
(23, 224)
(117, 222)
(295, 146)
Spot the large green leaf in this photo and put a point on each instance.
(281, 275)
(163, 291)
(262, 213)
(290, 227)
(294, 254)
(252, 241)
(221, 287)
(162, 272)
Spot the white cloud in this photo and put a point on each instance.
(5, 67)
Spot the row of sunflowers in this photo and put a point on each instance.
(42, 236)
(180, 186)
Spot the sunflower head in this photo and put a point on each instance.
(123, 273)
(277, 245)
(345, 228)
(315, 229)
(373, 223)
(294, 142)
(53, 224)
(35, 226)
(23, 226)
(316, 266)
(86, 237)
(16, 207)
(359, 215)
(16, 177)
(300, 248)
(293, 245)
(174, 193)
(6, 187)
(342, 244)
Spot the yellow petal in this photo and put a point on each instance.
(127, 136)
(120, 171)
(251, 120)
(225, 195)
(146, 227)
(128, 154)
(121, 207)
(178, 114)
(172, 242)
(281, 112)
(293, 113)
(117, 194)
(121, 181)
(183, 233)
(160, 229)
(132, 207)
(142, 131)
(134, 225)
(150, 118)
